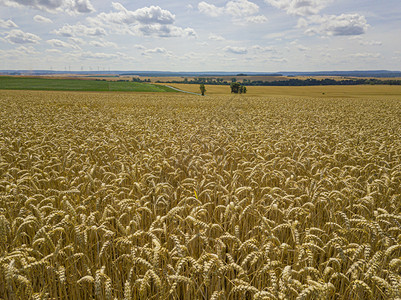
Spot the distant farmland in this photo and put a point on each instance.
(126, 84)
(33, 83)
(334, 91)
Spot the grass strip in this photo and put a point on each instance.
(27, 83)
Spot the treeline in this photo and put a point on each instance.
(326, 81)
(289, 82)
(200, 80)
(137, 79)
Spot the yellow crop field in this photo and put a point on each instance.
(171, 196)
(331, 91)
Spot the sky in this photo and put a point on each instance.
(188, 35)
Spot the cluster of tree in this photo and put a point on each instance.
(237, 88)
(200, 80)
(137, 79)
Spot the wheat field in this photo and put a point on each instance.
(324, 91)
(159, 196)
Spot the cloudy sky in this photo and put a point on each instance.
(188, 35)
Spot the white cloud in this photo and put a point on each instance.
(140, 47)
(192, 56)
(296, 45)
(96, 55)
(41, 19)
(235, 50)
(103, 44)
(157, 50)
(278, 59)
(161, 30)
(215, 37)
(239, 8)
(366, 55)
(363, 42)
(145, 15)
(54, 51)
(153, 15)
(302, 48)
(371, 43)
(70, 6)
(82, 6)
(61, 44)
(19, 52)
(26, 50)
(77, 41)
(210, 9)
(79, 30)
(331, 25)
(302, 23)
(345, 24)
(263, 49)
(299, 7)
(17, 36)
(7, 24)
(234, 8)
(146, 21)
(203, 44)
(256, 19)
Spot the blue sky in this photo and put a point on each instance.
(234, 35)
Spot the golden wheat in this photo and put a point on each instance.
(128, 196)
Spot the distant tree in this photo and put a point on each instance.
(234, 87)
(237, 88)
(202, 89)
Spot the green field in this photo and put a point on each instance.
(23, 83)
